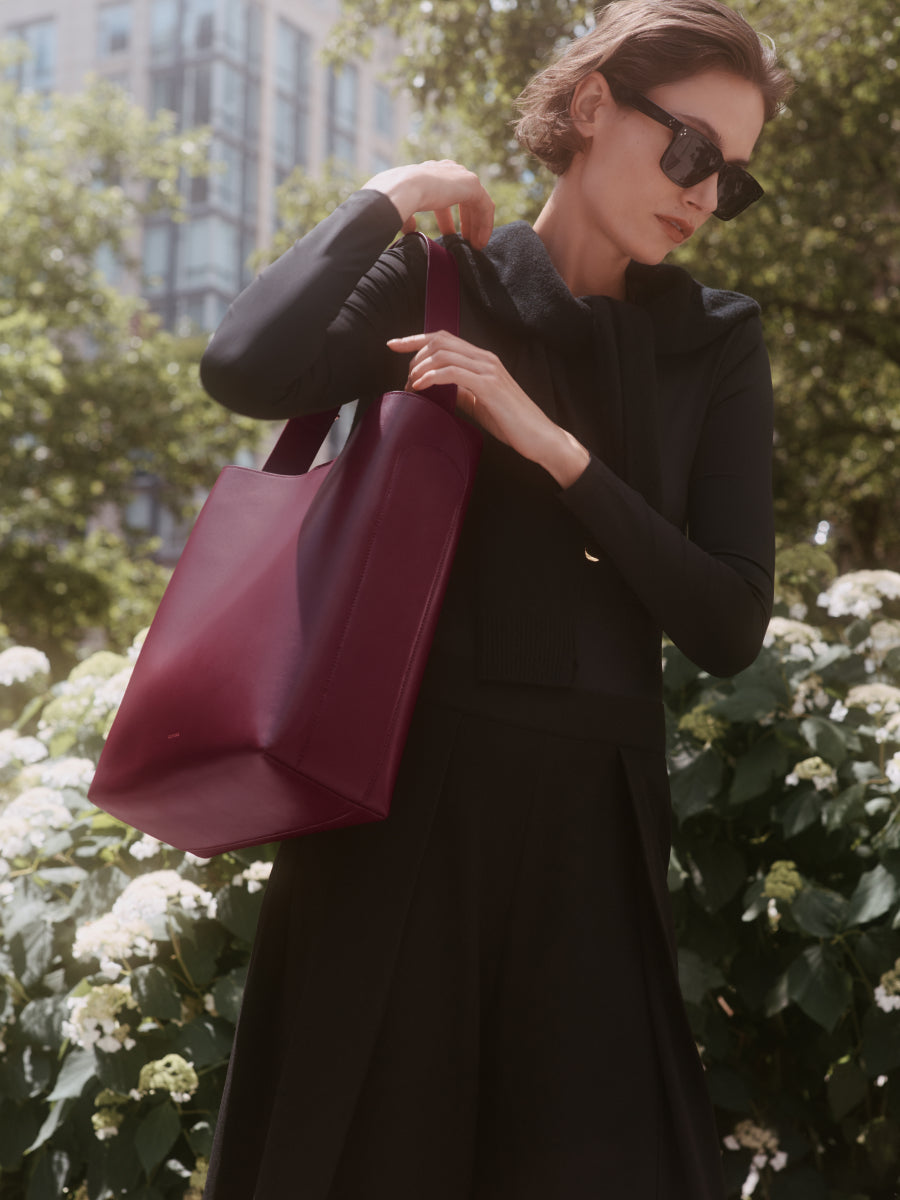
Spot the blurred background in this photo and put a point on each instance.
(158, 152)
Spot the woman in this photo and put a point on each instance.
(478, 997)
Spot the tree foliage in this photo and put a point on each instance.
(91, 389)
(821, 252)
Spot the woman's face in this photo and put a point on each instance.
(624, 194)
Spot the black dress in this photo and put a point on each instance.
(478, 997)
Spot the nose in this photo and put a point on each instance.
(704, 195)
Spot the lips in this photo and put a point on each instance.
(677, 228)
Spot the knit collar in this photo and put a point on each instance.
(516, 281)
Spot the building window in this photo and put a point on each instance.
(37, 73)
(226, 177)
(292, 53)
(384, 112)
(164, 28)
(114, 29)
(199, 24)
(197, 103)
(165, 91)
(209, 254)
(292, 75)
(343, 88)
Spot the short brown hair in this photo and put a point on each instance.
(642, 44)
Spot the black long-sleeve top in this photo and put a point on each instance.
(669, 528)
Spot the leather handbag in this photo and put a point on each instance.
(274, 690)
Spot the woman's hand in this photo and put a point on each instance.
(489, 394)
(436, 187)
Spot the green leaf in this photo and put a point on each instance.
(765, 761)
(25, 1072)
(847, 1087)
(804, 810)
(874, 895)
(32, 953)
(728, 1090)
(802, 1184)
(755, 900)
(157, 1134)
(696, 976)
(200, 944)
(717, 871)
(200, 1138)
(826, 738)
(57, 1115)
(695, 787)
(204, 1041)
(837, 812)
(48, 1177)
(238, 910)
(747, 704)
(819, 911)
(819, 985)
(155, 992)
(228, 992)
(40, 1021)
(19, 1124)
(679, 672)
(120, 1070)
(78, 1067)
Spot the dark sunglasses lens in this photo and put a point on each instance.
(736, 191)
(690, 158)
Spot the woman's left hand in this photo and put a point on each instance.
(488, 393)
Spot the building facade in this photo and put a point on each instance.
(249, 70)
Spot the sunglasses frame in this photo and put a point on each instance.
(748, 190)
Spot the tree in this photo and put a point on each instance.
(91, 389)
(821, 252)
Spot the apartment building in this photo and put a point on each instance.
(251, 71)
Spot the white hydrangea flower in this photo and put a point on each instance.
(839, 711)
(93, 1020)
(146, 847)
(805, 640)
(172, 1074)
(113, 939)
(19, 664)
(67, 773)
(820, 773)
(26, 820)
(798, 611)
(892, 770)
(6, 891)
(878, 699)
(149, 896)
(885, 1000)
(884, 636)
(108, 695)
(20, 751)
(254, 876)
(860, 593)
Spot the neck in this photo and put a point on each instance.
(588, 263)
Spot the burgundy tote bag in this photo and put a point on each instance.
(274, 690)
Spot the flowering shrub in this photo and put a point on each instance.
(122, 960)
(785, 877)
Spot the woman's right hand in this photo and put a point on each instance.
(436, 186)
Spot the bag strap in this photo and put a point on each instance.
(301, 437)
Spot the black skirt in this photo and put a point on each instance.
(477, 998)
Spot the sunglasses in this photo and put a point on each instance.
(691, 157)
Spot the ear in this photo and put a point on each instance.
(591, 93)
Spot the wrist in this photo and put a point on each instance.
(402, 192)
(566, 459)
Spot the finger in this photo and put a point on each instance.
(407, 344)
(477, 220)
(445, 222)
(409, 225)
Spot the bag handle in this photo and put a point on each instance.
(302, 437)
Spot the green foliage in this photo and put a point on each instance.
(91, 390)
(122, 961)
(821, 252)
